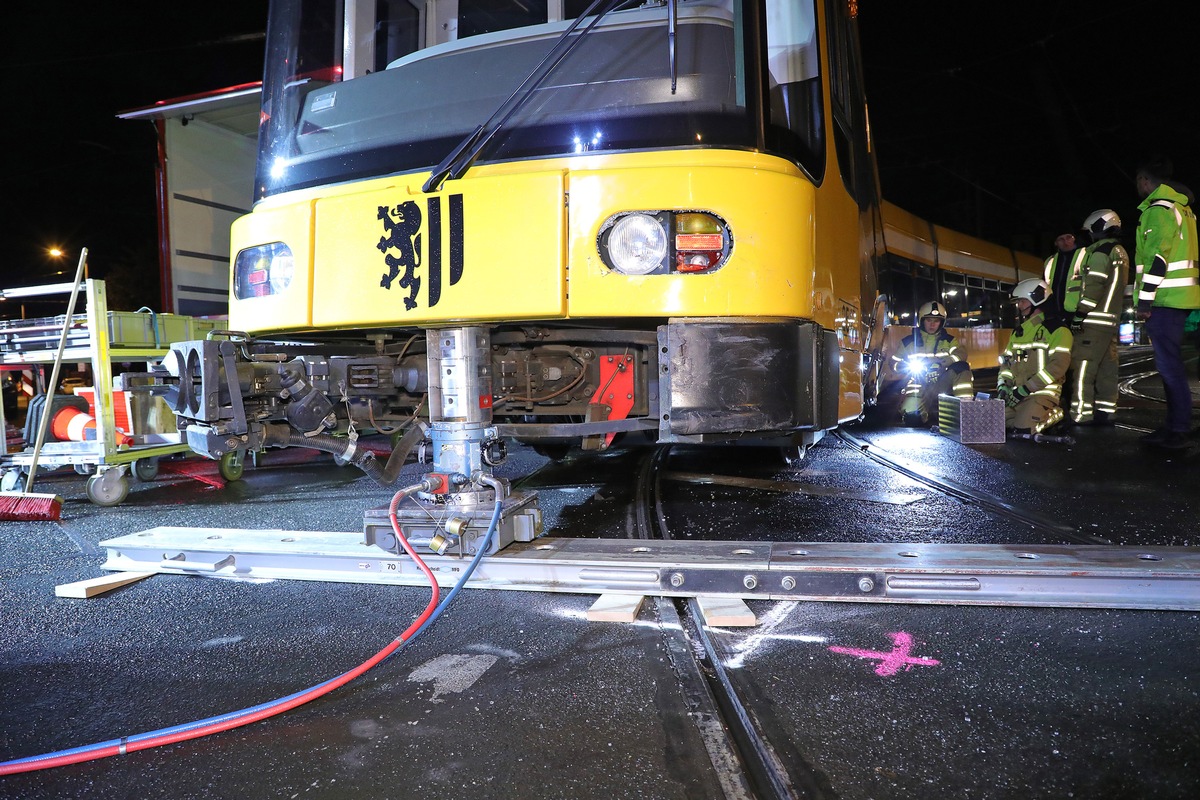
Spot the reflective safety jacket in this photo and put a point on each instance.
(1167, 273)
(1064, 275)
(939, 348)
(1105, 273)
(1037, 358)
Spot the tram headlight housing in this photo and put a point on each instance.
(664, 242)
(263, 270)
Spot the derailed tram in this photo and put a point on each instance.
(555, 221)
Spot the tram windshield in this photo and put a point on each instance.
(365, 88)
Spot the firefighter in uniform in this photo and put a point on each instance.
(1167, 290)
(1034, 363)
(935, 364)
(1097, 317)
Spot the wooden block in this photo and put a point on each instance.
(615, 608)
(726, 612)
(95, 586)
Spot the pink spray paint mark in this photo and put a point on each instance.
(890, 662)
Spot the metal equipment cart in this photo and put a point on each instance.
(100, 337)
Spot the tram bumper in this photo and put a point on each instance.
(723, 377)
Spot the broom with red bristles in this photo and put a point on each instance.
(27, 506)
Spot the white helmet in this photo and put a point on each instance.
(1100, 221)
(932, 309)
(1034, 290)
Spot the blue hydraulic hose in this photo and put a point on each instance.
(188, 726)
(483, 547)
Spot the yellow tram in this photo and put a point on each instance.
(573, 221)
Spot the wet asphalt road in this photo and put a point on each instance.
(515, 694)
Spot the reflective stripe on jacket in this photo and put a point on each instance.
(940, 347)
(1104, 278)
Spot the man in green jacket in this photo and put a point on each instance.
(1097, 316)
(1167, 290)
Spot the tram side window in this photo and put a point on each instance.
(794, 71)
(924, 286)
(900, 290)
(990, 302)
(848, 105)
(954, 297)
(1006, 312)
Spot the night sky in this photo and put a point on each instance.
(76, 176)
(1011, 121)
(1015, 120)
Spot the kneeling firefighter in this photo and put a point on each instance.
(935, 364)
(1034, 364)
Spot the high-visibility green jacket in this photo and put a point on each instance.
(1105, 273)
(1166, 257)
(1037, 358)
(1068, 286)
(940, 348)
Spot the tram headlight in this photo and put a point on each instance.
(637, 244)
(263, 270)
(663, 242)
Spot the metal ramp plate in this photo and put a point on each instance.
(1069, 576)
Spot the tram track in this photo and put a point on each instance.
(966, 494)
(748, 764)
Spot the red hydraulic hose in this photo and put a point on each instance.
(271, 710)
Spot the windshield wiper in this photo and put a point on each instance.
(671, 21)
(456, 164)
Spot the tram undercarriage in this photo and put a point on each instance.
(684, 381)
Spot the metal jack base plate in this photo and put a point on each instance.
(520, 521)
(1163, 578)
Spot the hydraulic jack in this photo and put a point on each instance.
(452, 510)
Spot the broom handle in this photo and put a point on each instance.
(48, 403)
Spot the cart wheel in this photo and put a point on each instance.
(232, 465)
(11, 480)
(146, 469)
(108, 488)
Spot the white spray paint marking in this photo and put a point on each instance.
(452, 673)
(221, 641)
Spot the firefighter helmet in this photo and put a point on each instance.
(1102, 220)
(932, 309)
(1034, 290)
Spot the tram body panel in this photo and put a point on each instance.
(768, 208)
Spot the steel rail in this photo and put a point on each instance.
(766, 772)
(984, 500)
